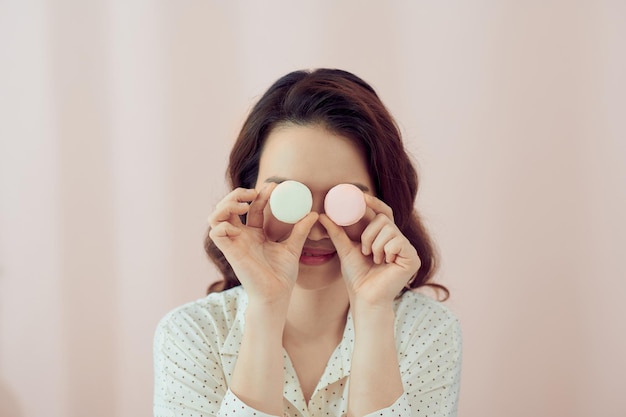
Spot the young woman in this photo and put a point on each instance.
(313, 318)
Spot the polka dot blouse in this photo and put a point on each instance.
(196, 347)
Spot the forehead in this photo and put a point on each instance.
(313, 155)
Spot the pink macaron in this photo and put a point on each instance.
(345, 204)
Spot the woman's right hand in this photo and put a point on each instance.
(267, 270)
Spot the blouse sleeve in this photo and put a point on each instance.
(430, 364)
(188, 376)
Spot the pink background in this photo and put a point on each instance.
(117, 117)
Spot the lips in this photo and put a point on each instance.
(316, 256)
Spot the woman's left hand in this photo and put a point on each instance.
(380, 265)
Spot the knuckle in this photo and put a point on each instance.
(213, 232)
(381, 217)
(367, 235)
(377, 246)
(213, 219)
(392, 244)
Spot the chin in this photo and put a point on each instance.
(316, 278)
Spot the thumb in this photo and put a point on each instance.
(300, 231)
(338, 236)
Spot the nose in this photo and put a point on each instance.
(318, 232)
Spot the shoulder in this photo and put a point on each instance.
(419, 306)
(210, 317)
(423, 320)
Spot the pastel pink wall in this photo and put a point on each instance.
(117, 118)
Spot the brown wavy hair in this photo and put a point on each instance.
(348, 106)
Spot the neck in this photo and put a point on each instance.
(317, 313)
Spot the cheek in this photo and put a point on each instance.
(275, 230)
(355, 231)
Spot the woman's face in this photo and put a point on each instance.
(320, 160)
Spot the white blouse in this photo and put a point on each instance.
(196, 347)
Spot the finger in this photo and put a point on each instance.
(300, 232)
(255, 215)
(228, 211)
(400, 251)
(371, 231)
(237, 199)
(224, 230)
(393, 248)
(241, 194)
(385, 235)
(377, 206)
(337, 235)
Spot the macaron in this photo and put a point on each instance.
(291, 201)
(345, 204)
